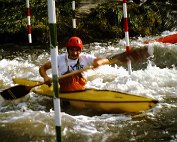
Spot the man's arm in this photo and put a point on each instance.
(43, 71)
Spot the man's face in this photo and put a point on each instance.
(74, 52)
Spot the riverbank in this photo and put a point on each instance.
(96, 21)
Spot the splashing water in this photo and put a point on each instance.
(32, 118)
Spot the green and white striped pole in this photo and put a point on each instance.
(54, 53)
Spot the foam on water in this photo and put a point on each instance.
(151, 82)
(34, 116)
(16, 68)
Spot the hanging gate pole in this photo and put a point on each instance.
(74, 17)
(54, 53)
(128, 49)
(29, 22)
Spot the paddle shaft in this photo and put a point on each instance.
(22, 90)
(134, 55)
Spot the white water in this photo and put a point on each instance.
(34, 115)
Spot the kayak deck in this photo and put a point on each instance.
(98, 100)
(101, 100)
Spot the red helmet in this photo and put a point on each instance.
(74, 42)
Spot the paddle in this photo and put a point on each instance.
(19, 91)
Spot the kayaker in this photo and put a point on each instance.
(73, 60)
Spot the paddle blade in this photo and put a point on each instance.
(15, 92)
(134, 55)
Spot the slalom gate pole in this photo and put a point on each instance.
(128, 49)
(54, 53)
(29, 22)
(74, 16)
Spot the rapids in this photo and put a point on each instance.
(32, 118)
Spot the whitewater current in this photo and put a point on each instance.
(31, 118)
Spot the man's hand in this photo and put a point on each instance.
(47, 80)
(100, 61)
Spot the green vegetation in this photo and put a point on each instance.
(102, 22)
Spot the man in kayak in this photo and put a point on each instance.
(71, 61)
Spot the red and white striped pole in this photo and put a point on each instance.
(29, 23)
(128, 49)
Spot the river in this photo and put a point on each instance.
(31, 118)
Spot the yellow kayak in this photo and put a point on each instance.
(98, 100)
